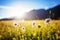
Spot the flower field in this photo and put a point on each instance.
(29, 30)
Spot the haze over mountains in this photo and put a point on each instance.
(53, 13)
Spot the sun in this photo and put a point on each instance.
(17, 10)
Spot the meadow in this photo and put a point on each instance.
(29, 30)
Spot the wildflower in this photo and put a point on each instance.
(58, 32)
(34, 34)
(23, 28)
(0, 36)
(47, 20)
(33, 23)
(39, 26)
(13, 38)
(15, 24)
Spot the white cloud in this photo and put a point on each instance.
(5, 7)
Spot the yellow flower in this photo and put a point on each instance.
(13, 38)
(0, 36)
(34, 34)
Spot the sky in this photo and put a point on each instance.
(10, 8)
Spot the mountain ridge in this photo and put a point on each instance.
(53, 13)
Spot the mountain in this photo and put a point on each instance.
(37, 14)
(53, 13)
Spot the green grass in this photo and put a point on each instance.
(24, 30)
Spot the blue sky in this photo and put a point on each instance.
(25, 4)
(36, 3)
